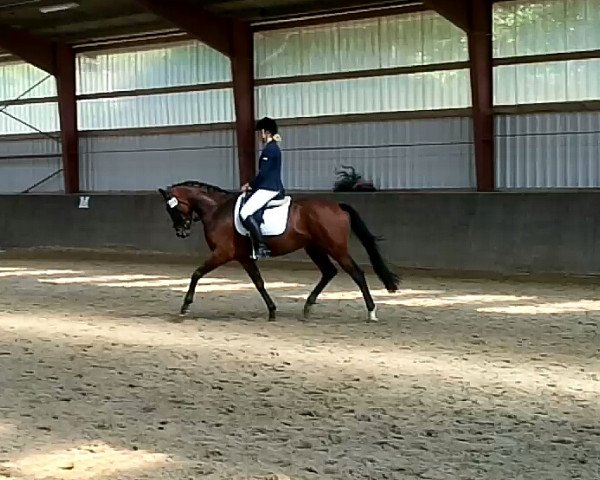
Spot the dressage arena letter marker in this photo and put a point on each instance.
(84, 202)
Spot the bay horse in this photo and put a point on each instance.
(321, 227)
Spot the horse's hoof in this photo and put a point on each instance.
(272, 316)
(372, 316)
(307, 311)
(184, 309)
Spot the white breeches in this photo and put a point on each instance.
(258, 200)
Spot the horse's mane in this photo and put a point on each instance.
(206, 186)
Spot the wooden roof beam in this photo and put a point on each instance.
(211, 29)
(38, 51)
(457, 11)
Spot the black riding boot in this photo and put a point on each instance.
(260, 248)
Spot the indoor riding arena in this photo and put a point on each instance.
(476, 122)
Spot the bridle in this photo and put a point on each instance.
(180, 222)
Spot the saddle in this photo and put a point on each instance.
(276, 201)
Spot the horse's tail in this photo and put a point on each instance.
(389, 279)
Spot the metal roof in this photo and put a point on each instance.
(92, 20)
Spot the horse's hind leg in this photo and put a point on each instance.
(254, 273)
(352, 269)
(215, 261)
(328, 272)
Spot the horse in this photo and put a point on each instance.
(321, 227)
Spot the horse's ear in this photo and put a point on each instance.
(163, 193)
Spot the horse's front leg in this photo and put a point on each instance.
(214, 262)
(254, 273)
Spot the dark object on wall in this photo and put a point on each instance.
(350, 181)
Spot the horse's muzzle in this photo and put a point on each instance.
(184, 231)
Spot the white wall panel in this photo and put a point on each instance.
(19, 175)
(393, 41)
(548, 26)
(15, 79)
(16, 175)
(18, 77)
(43, 116)
(169, 109)
(185, 63)
(147, 162)
(572, 80)
(558, 150)
(359, 45)
(411, 154)
(419, 91)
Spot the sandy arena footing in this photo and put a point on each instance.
(461, 379)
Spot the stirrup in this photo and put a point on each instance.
(261, 253)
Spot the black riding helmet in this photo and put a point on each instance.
(267, 124)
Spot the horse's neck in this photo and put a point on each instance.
(205, 205)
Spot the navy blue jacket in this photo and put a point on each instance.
(269, 169)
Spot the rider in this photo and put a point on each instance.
(266, 185)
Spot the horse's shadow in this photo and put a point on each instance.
(295, 317)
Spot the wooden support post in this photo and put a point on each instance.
(242, 67)
(67, 107)
(482, 78)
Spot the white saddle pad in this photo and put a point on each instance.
(274, 219)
